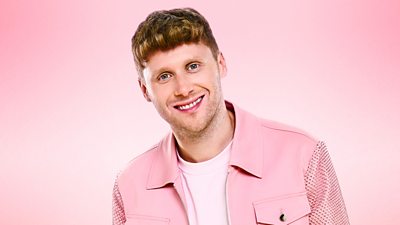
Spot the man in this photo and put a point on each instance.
(219, 165)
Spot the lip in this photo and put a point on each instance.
(187, 102)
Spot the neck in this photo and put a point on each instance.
(212, 140)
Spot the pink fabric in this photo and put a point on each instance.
(323, 190)
(277, 175)
(203, 182)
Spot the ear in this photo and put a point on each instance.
(223, 70)
(143, 88)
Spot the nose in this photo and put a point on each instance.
(183, 85)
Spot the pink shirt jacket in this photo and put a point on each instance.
(277, 175)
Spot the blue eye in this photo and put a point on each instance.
(193, 66)
(164, 77)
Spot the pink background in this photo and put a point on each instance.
(71, 114)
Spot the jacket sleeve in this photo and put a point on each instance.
(323, 190)
(118, 213)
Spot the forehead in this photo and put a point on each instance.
(176, 56)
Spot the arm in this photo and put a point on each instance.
(323, 191)
(118, 213)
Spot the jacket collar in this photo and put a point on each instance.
(247, 144)
(246, 152)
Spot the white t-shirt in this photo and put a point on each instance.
(204, 187)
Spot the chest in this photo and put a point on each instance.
(278, 198)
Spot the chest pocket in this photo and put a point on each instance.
(146, 220)
(287, 209)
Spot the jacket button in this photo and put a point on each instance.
(282, 217)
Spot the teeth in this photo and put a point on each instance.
(188, 106)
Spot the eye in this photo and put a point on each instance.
(164, 77)
(193, 67)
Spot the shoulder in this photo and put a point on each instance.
(278, 140)
(276, 129)
(290, 142)
(134, 169)
(288, 131)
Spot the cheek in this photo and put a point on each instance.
(213, 80)
(208, 77)
(160, 93)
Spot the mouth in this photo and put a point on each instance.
(190, 105)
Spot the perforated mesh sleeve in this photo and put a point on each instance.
(323, 191)
(118, 213)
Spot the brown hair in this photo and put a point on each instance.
(166, 29)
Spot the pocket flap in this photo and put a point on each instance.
(146, 220)
(283, 209)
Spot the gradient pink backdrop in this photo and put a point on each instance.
(71, 114)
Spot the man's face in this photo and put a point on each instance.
(184, 86)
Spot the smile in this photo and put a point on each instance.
(190, 105)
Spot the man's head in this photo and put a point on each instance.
(167, 29)
(180, 68)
